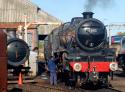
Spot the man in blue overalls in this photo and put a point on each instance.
(52, 69)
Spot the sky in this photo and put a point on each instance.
(108, 11)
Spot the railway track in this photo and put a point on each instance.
(60, 88)
(48, 88)
(38, 88)
(44, 86)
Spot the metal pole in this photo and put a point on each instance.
(25, 36)
(25, 28)
(109, 36)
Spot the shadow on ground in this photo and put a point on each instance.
(99, 88)
(15, 90)
(120, 74)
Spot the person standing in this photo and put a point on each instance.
(52, 70)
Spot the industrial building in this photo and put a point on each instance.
(21, 13)
(29, 21)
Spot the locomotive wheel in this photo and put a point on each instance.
(78, 82)
(105, 82)
(123, 69)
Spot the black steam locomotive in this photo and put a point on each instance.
(82, 46)
(18, 52)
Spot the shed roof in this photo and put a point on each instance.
(17, 10)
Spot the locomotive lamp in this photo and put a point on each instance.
(77, 67)
(113, 66)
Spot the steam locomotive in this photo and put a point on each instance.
(18, 52)
(119, 42)
(82, 46)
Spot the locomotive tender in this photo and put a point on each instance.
(83, 44)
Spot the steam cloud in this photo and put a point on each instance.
(90, 4)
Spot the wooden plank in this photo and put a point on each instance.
(24, 81)
(3, 62)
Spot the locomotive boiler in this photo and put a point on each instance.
(83, 44)
(17, 50)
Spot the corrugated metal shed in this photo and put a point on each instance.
(13, 13)
(16, 10)
(44, 16)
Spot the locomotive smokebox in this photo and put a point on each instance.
(17, 49)
(91, 33)
(87, 15)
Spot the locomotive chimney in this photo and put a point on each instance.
(87, 15)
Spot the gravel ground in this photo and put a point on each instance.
(118, 85)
